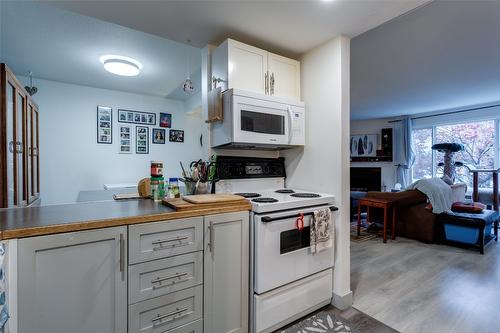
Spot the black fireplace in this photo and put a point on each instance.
(366, 179)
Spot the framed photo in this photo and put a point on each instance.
(159, 135)
(104, 124)
(125, 140)
(165, 120)
(141, 140)
(363, 145)
(136, 117)
(176, 135)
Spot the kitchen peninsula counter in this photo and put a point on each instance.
(52, 219)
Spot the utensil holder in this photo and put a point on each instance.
(193, 187)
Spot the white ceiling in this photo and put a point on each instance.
(64, 46)
(289, 27)
(442, 56)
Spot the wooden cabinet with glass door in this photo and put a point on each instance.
(19, 167)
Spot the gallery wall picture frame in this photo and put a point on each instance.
(159, 136)
(141, 140)
(136, 117)
(176, 135)
(363, 145)
(165, 120)
(125, 140)
(104, 124)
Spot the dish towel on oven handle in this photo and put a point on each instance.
(321, 230)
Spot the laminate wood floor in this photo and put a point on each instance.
(420, 288)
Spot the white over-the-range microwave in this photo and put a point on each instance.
(255, 121)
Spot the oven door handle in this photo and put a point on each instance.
(267, 219)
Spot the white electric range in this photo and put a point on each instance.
(287, 281)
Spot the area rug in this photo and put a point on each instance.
(364, 234)
(322, 322)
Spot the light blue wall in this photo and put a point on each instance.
(72, 161)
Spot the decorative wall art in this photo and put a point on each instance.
(104, 124)
(159, 135)
(141, 140)
(165, 120)
(176, 135)
(136, 117)
(363, 145)
(125, 140)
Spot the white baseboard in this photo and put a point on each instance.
(342, 302)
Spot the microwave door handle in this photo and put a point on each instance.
(290, 124)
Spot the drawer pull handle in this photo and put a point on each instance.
(170, 240)
(161, 279)
(176, 315)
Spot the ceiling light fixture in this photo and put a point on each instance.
(120, 65)
(188, 86)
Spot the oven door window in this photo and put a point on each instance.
(266, 123)
(293, 240)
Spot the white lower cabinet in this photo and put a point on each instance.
(73, 282)
(183, 276)
(164, 313)
(226, 273)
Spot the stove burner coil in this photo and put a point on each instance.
(285, 191)
(305, 195)
(248, 195)
(265, 200)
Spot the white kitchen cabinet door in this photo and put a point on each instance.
(73, 282)
(226, 280)
(284, 76)
(241, 66)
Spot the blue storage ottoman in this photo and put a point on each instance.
(472, 229)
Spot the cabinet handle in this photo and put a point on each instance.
(211, 244)
(174, 313)
(122, 256)
(161, 279)
(161, 241)
(271, 83)
(35, 151)
(11, 146)
(266, 82)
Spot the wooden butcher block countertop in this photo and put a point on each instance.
(52, 219)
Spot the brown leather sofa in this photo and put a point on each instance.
(413, 220)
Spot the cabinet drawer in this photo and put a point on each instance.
(164, 239)
(194, 327)
(164, 276)
(164, 313)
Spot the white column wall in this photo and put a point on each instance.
(323, 164)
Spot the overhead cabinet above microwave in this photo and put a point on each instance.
(249, 68)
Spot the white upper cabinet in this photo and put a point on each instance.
(284, 76)
(249, 68)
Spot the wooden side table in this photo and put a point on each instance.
(387, 205)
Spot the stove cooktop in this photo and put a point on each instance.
(271, 200)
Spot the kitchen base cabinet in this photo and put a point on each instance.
(73, 282)
(226, 273)
(165, 313)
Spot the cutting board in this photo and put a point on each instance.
(212, 198)
(180, 204)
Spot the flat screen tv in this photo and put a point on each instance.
(366, 179)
